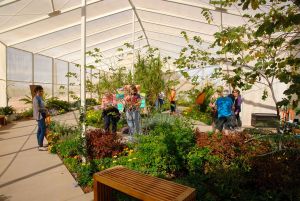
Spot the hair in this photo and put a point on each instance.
(38, 88)
(133, 87)
(236, 90)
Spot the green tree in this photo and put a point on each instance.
(261, 51)
(148, 73)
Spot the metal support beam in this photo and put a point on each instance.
(133, 34)
(203, 6)
(177, 36)
(139, 19)
(82, 69)
(176, 27)
(76, 39)
(69, 26)
(45, 17)
(74, 61)
(3, 76)
(54, 79)
(97, 43)
(176, 16)
(68, 83)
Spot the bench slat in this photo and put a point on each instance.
(140, 186)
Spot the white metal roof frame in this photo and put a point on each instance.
(140, 8)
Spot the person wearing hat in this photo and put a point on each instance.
(224, 106)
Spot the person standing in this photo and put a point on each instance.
(160, 101)
(237, 106)
(224, 108)
(213, 107)
(110, 112)
(172, 99)
(132, 108)
(39, 114)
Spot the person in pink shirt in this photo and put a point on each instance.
(110, 112)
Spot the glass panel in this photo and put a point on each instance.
(61, 92)
(74, 80)
(60, 72)
(19, 65)
(74, 91)
(16, 91)
(42, 69)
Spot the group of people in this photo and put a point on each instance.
(226, 110)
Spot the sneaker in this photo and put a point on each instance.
(42, 149)
(45, 145)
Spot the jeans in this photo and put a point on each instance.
(133, 121)
(41, 131)
(109, 119)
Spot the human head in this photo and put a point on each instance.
(225, 93)
(38, 90)
(236, 92)
(133, 89)
(219, 89)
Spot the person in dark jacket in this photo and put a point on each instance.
(237, 106)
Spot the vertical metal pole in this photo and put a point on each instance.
(3, 75)
(68, 83)
(32, 61)
(91, 75)
(133, 34)
(53, 78)
(83, 63)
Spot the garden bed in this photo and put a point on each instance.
(247, 166)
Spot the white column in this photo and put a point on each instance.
(133, 30)
(83, 63)
(3, 75)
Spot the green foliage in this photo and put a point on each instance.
(197, 158)
(59, 105)
(94, 118)
(148, 73)
(27, 113)
(27, 99)
(163, 151)
(254, 49)
(194, 113)
(70, 147)
(8, 110)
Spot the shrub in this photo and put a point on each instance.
(101, 144)
(163, 151)
(71, 147)
(94, 118)
(8, 110)
(58, 105)
(88, 102)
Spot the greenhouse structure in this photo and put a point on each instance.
(81, 50)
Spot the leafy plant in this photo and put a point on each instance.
(59, 105)
(101, 144)
(254, 49)
(94, 118)
(8, 110)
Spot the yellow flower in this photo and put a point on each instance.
(114, 161)
(102, 167)
(115, 156)
(129, 160)
(134, 158)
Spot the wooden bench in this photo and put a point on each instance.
(137, 185)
